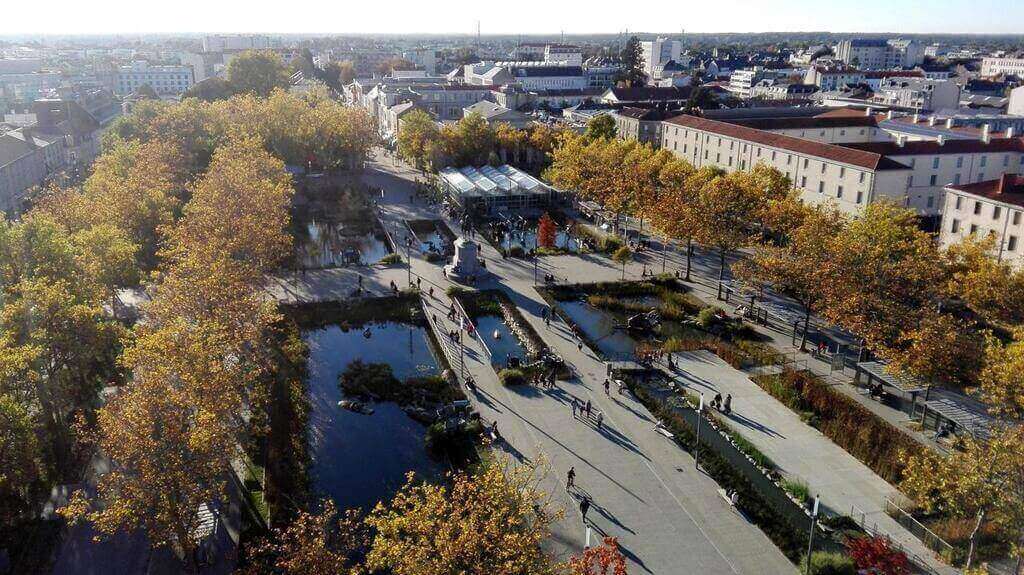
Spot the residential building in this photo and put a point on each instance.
(850, 179)
(601, 72)
(919, 94)
(641, 124)
(424, 58)
(495, 114)
(1002, 67)
(742, 82)
(879, 54)
(563, 54)
(829, 78)
(988, 208)
(647, 95)
(531, 76)
(165, 80)
(26, 159)
(656, 53)
(226, 43)
(873, 78)
(1015, 106)
(777, 90)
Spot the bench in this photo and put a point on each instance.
(664, 431)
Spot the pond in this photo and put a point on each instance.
(502, 347)
(527, 240)
(599, 326)
(360, 459)
(326, 244)
(431, 242)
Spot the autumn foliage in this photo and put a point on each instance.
(878, 554)
(546, 232)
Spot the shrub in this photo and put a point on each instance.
(516, 252)
(512, 377)
(708, 316)
(611, 244)
(829, 563)
(797, 488)
(622, 254)
(432, 257)
(365, 380)
(877, 554)
(391, 259)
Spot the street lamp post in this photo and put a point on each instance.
(810, 537)
(664, 253)
(408, 257)
(696, 445)
(536, 245)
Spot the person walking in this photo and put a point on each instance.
(587, 408)
(584, 507)
(600, 419)
(728, 404)
(570, 478)
(572, 404)
(607, 386)
(579, 344)
(717, 401)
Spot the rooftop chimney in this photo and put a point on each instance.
(1009, 132)
(942, 140)
(901, 140)
(869, 111)
(949, 123)
(888, 115)
(986, 135)
(1005, 182)
(917, 118)
(932, 119)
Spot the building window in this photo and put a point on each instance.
(977, 207)
(823, 167)
(1016, 218)
(932, 179)
(1011, 244)
(958, 201)
(912, 162)
(773, 155)
(955, 227)
(803, 181)
(974, 229)
(806, 161)
(981, 177)
(935, 163)
(931, 201)
(860, 196)
(960, 161)
(842, 172)
(821, 187)
(995, 212)
(956, 180)
(839, 191)
(861, 178)
(984, 160)
(1006, 161)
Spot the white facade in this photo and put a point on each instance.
(919, 93)
(829, 79)
(992, 208)
(165, 80)
(877, 54)
(424, 59)
(1000, 66)
(657, 53)
(222, 43)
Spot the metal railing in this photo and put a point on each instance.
(860, 517)
(915, 527)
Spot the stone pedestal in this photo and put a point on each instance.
(465, 263)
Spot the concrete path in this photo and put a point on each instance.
(669, 518)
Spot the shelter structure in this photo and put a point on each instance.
(488, 190)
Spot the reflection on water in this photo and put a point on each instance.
(502, 347)
(599, 326)
(326, 245)
(357, 459)
(431, 242)
(526, 239)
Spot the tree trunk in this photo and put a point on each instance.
(974, 537)
(689, 256)
(807, 320)
(721, 271)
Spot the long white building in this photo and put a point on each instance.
(992, 207)
(999, 66)
(165, 80)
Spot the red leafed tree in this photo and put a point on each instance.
(605, 559)
(878, 554)
(546, 231)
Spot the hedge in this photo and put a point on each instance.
(877, 443)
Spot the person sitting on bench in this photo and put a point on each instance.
(877, 391)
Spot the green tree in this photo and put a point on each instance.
(417, 138)
(21, 470)
(623, 255)
(209, 90)
(602, 126)
(632, 58)
(257, 73)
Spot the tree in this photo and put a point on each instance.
(674, 213)
(799, 268)
(469, 142)
(22, 473)
(209, 90)
(546, 231)
(417, 138)
(107, 258)
(146, 92)
(605, 559)
(622, 256)
(313, 544)
(257, 73)
(392, 64)
(878, 555)
(346, 71)
(1002, 378)
(632, 58)
(493, 522)
(602, 126)
(991, 288)
(727, 206)
(984, 481)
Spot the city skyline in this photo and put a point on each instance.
(461, 16)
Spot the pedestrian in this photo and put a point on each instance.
(600, 418)
(584, 507)
(360, 280)
(607, 386)
(547, 321)
(728, 403)
(587, 408)
(418, 282)
(570, 478)
(717, 401)
(471, 384)
(579, 344)
(572, 404)
(431, 291)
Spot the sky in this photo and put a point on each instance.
(523, 17)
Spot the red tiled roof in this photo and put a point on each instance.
(857, 120)
(1007, 189)
(842, 154)
(927, 147)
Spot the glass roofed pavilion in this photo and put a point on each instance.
(488, 189)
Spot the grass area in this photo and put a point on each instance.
(597, 241)
(797, 488)
(878, 444)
